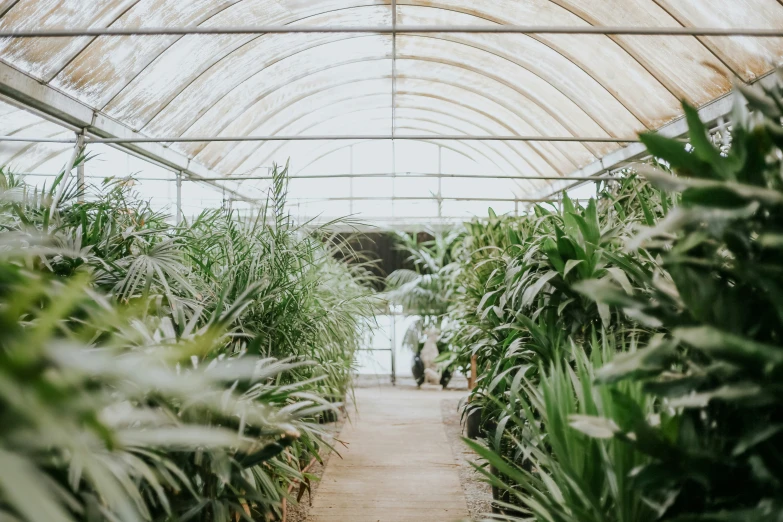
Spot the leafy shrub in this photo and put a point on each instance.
(151, 372)
(687, 267)
(717, 364)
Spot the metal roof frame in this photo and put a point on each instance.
(73, 114)
(710, 114)
(328, 137)
(96, 127)
(397, 29)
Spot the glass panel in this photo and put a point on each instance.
(374, 209)
(372, 157)
(373, 187)
(480, 209)
(749, 57)
(414, 156)
(43, 57)
(647, 103)
(191, 56)
(485, 188)
(107, 64)
(319, 188)
(415, 209)
(587, 117)
(681, 65)
(514, 112)
(311, 84)
(415, 187)
(236, 113)
(341, 117)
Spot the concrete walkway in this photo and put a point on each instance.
(398, 466)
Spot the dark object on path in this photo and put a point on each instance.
(445, 378)
(473, 423)
(418, 370)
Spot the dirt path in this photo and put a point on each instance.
(398, 466)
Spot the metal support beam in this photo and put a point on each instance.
(394, 175)
(61, 108)
(393, 342)
(710, 113)
(428, 175)
(77, 149)
(328, 137)
(422, 198)
(376, 175)
(80, 181)
(440, 181)
(350, 180)
(356, 137)
(179, 198)
(394, 68)
(399, 29)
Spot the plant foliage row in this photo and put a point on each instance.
(158, 372)
(630, 350)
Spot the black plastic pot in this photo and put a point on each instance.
(330, 416)
(445, 378)
(473, 423)
(418, 370)
(504, 496)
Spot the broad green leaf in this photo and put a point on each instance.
(24, 487)
(644, 362)
(571, 264)
(675, 153)
(730, 347)
(596, 427)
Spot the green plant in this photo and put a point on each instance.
(427, 289)
(218, 345)
(553, 472)
(716, 366)
(100, 417)
(517, 303)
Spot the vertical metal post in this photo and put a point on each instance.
(394, 176)
(394, 67)
(724, 134)
(350, 180)
(440, 181)
(516, 208)
(179, 197)
(473, 377)
(394, 99)
(80, 181)
(393, 339)
(78, 147)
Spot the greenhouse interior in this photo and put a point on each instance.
(391, 260)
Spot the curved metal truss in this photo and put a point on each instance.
(217, 88)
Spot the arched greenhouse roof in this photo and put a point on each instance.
(521, 108)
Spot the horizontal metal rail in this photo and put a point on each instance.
(30, 139)
(390, 175)
(433, 198)
(399, 29)
(326, 137)
(417, 175)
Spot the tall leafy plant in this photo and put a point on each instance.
(182, 363)
(717, 363)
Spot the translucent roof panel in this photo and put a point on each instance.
(428, 85)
